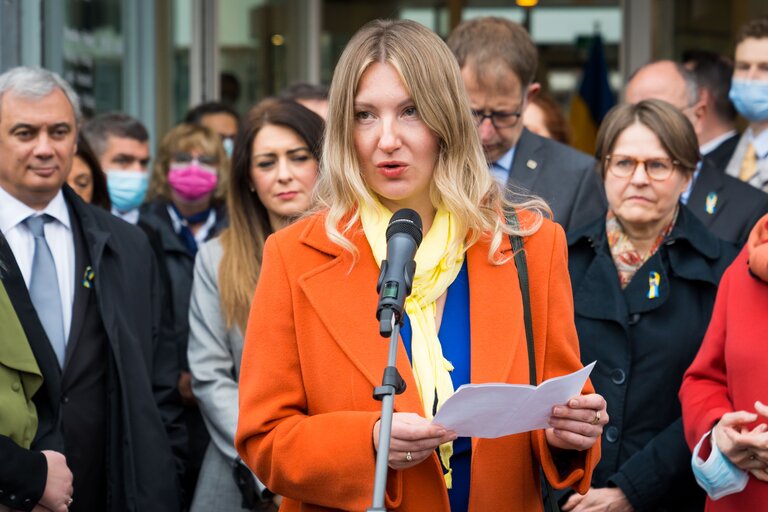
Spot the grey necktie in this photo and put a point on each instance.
(44, 287)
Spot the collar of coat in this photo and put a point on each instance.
(692, 251)
(496, 336)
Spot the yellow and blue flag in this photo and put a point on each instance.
(593, 101)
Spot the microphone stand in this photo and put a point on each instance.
(391, 384)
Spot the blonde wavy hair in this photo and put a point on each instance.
(461, 182)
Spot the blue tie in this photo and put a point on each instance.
(44, 287)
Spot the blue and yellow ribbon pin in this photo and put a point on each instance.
(88, 276)
(711, 204)
(654, 279)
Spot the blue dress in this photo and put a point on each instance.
(454, 337)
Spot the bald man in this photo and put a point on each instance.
(722, 203)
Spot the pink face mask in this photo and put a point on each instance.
(192, 181)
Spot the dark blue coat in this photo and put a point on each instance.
(642, 347)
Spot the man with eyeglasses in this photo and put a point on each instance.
(498, 62)
(728, 207)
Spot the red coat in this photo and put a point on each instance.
(313, 356)
(729, 373)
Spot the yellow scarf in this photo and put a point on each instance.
(436, 268)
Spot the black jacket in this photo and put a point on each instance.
(727, 206)
(721, 155)
(642, 347)
(145, 431)
(180, 264)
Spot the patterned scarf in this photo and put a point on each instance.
(627, 259)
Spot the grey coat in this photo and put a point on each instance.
(565, 178)
(214, 359)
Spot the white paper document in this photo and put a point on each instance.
(495, 410)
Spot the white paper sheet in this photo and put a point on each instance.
(495, 410)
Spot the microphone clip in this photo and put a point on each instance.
(392, 297)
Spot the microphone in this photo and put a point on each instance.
(397, 271)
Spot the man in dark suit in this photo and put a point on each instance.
(498, 62)
(83, 286)
(718, 136)
(724, 204)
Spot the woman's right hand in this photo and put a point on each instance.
(413, 439)
(747, 449)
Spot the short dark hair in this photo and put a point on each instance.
(484, 43)
(114, 124)
(756, 29)
(713, 72)
(100, 193)
(304, 91)
(195, 115)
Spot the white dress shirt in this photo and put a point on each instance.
(202, 233)
(131, 216)
(59, 236)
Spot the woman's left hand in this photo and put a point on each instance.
(604, 499)
(578, 424)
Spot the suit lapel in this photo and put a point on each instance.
(80, 302)
(706, 189)
(527, 163)
(496, 314)
(353, 325)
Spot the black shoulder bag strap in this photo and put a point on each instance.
(550, 502)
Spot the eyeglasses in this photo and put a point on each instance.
(498, 119)
(657, 169)
(184, 158)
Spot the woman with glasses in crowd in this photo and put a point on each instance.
(644, 281)
(400, 135)
(186, 209)
(274, 169)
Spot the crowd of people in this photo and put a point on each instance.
(193, 329)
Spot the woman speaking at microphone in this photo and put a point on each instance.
(400, 135)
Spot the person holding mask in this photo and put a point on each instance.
(86, 177)
(749, 94)
(724, 391)
(400, 135)
(185, 210)
(275, 165)
(644, 280)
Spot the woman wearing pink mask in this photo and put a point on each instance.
(185, 207)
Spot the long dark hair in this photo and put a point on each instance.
(249, 227)
(100, 193)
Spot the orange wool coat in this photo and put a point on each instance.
(313, 356)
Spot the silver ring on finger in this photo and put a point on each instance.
(408, 457)
(69, 502)
(597, 418)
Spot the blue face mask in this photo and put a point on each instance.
(750, 97)
(127, 188)
(229, 145)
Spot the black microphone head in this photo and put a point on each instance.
(405, 221)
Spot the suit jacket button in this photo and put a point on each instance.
(611, 434)
(634, 318)
(65, 399)
(16, 386)
(618, 376)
